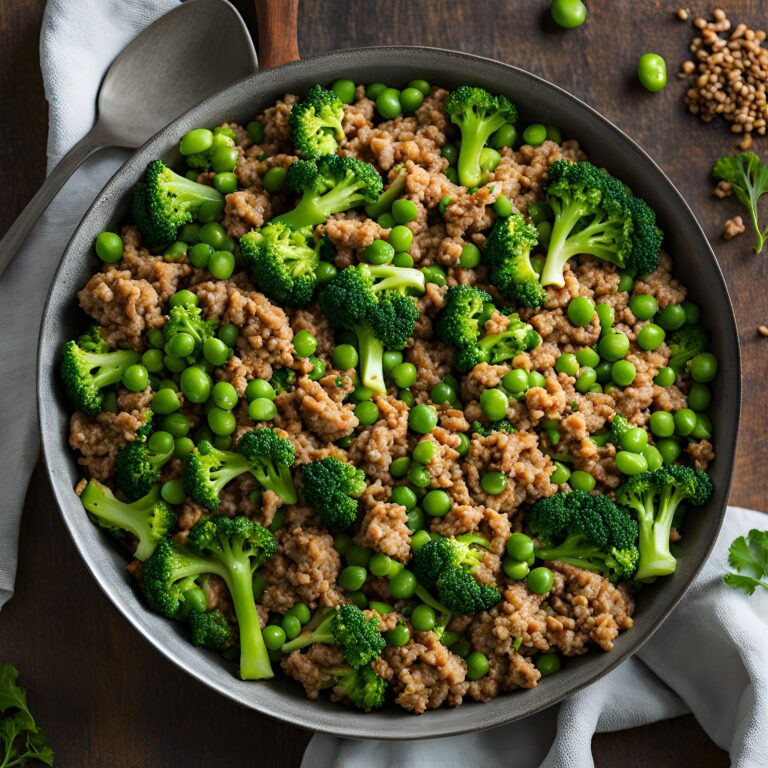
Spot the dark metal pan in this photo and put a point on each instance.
(538, 101)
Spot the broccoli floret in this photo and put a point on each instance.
(138, 467)
(389, 195)
(316, 122)
(283, 380)
(502, 425)
(270, 458)
(371, 302)
(149, 519)
(619, 427)
(446, 563)
(362, 687)
(508, 252)
(684, 344)
(478, 114)
(655, 498)
(347, 627)
(165, 201)
(748, 177)
(282, 262)
(587, 531)
(595, 215)
(466, 309)
(207, 470)
(209, 629)
(332, 487)
(222, 137)
(498, 347)
(86, 373)
(232, 548)
(328, 185)
(92, 341)
(184, 318)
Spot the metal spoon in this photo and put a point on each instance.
(188, 54)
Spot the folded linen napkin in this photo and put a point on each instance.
(77, 43)
(710, 658)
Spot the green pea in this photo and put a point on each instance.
(586, 380)
(109, 247)
(224, 159)
(379, 252)
(418, 475)
(704, 367)
(156, 339)
(342, 542)
(403, 495)
(569, 14)
(506, 136)
(195, 384)
(662, 424)
(415, 520)
(345, 90)
(136, 378)
(692, 313)
(420, 85)
(464, 444)
(175, 251)
(255, 131)
(204, 433)
(685, 421)
(442, 393)
(304, 343)
(437, 503)
(503, 207)
(515, 569)
(403, 584)
(291, 626)
(165, 401)
(652, 72)
(352, 578)
(494, 404)
(388, 103)
(435, 274)
(180, 345)
(424, 452)
(183, 298)
(216, 352)
(489, 159)
(613, 346)
(535, 379)
(402, 260)
(190, 233)
(581, 481)
(228, 333)
(274, 637)
(386, 220)
(177, 424)
(450, 153)
(605, 315)
(631, 463)
(197, 140)
(581, 310)
(560, 475)
(325, 272)
(152, 360)
(493, 483)
(588, 357)
(221, 265)
(318, 368)
(477, 665)
(379, 564)
(274, 180)
(567, 364)
(259, 388)
(224, 395)
(634, 439)
(423, 618)
(210, 212)
(399, 467)
(262, 409)
(665, 377)
(400, 237)
(535, 134)
(221, 422)
(699, 397)
(671, 317)
(361, 393)
(160, 442)
(669, 449)
(226, 183)
(173, 492)
(446, 200)
(626, 283)
(703, 428)
(652, 457)
(174, 364)
(520, 546)
(548, 663)
(461, 648)
(372, 90)
(623, 373)
(344, 357)
(358, 599)
(516, 381)
(540, 580)
(367, 413)
(643, 307)
(182, 447)
(398, 636)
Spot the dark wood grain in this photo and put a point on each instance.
(278, 29)
(105, 696)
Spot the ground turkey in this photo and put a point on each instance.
(384, 527)
(377, 446)
(320, 408)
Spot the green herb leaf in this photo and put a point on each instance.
(749, 556)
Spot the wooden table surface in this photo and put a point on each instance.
(106, 698)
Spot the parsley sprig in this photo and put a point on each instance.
(749, 556)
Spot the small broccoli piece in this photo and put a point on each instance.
(502, 425)
(655, 498)
(347, 627)
(149, 519)
(232, 548)
(478, 114)
(508, 252)
(371, 302)
(595, 215)
(498, 347)
(748, 177)
(389, 195)
(684, 344)
(207, 470)
(138, 467)
(283, 380)
(462, 318)
(316, 123)
(282, 262)
(363, 687)
(587, 531)
(165, 201)
(222, 137)
(92, 341)
(619, 427)
(332, 487)
(189, 319)
(328, 185)
(446, 563)
(210, 629)
(270, 458)
(86, 373)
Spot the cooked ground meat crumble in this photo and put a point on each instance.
(129, 299)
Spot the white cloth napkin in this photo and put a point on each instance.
(709, 658)
(78, 42)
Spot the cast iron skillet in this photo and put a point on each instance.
(538, 101)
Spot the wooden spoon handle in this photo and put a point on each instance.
(278, 32)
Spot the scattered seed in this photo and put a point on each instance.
(733, 227)
(762, 330)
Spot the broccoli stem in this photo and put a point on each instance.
(254, 659)
(655, 557)
(558, 253)
(425, 597)
(111, 365)
(371, 356)
(468, 165)
(322, 634)
(277, 480)
(314, 209)
(387, 197)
